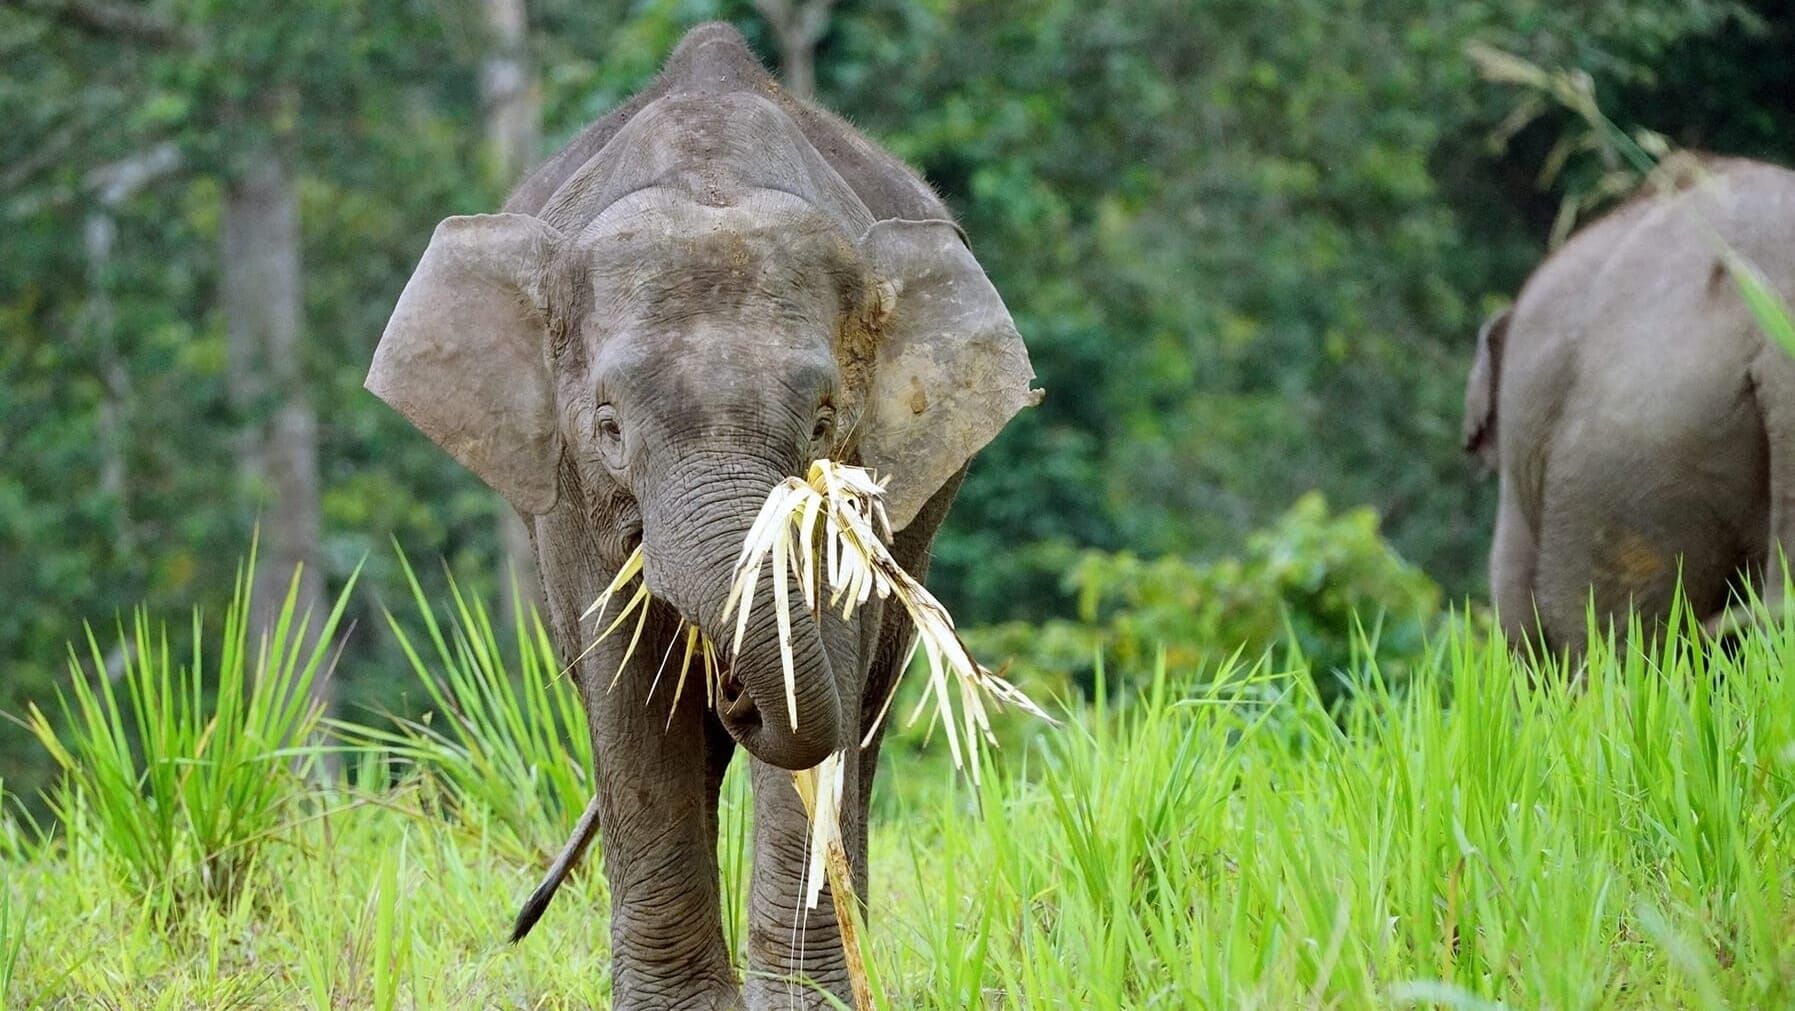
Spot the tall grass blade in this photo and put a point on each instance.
(1765, 304)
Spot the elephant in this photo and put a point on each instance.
(1639, 419)
(708, 288)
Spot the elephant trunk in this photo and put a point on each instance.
(693, 528)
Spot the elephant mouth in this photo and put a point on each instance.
(735, 707)
(733, 704)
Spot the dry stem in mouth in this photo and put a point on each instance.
(847, 502)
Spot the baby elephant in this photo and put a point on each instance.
(1641, 421)
(711, 287)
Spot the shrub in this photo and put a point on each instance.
(179, 783)
(1305, 584)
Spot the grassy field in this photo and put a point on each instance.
(1194, 839)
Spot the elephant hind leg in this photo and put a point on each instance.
(1626, 558)
(1773, 382)
(1514, 564)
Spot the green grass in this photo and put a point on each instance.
(1185, 841)
(179, 781)
(505, 744)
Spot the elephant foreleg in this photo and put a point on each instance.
(658, 775)
(794, 952)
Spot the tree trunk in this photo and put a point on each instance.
(102, 325)
(112, 185)
(510, 93)
(265, 326)
(798, 25)
(512, 98)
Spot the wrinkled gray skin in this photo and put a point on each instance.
(1638, 417)
(703, 292)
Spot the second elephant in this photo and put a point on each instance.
(1642, 424)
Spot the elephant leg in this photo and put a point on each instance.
(1514, 563)
(794, 952)
(658, 781)
(1779, 565)
(656, 774)
(1773, 380)
(1534, 622)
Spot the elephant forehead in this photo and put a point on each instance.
(705, 355)
(766, 262)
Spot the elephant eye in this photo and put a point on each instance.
(609, 433)
(825, 423)
(604, 422)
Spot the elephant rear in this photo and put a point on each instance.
(1621, 528)
(1634, 444)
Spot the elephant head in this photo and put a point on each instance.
(1482, 388)
(678, 353)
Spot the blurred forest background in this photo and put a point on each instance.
(1249, 244)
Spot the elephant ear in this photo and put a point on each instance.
(1483, 387)
(465, 355)
(949, 371)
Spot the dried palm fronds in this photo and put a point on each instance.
(636, 604)
(846, 502)
(697, 644)
(858, 566)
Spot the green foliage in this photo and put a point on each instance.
(1234, 234)
(391, 933)
(12, 941)
(1248, 245)
(182, 781)
(384, 114)
(1327, 589)
(380, 933)
(13, 843)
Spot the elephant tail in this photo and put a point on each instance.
(570, 855)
